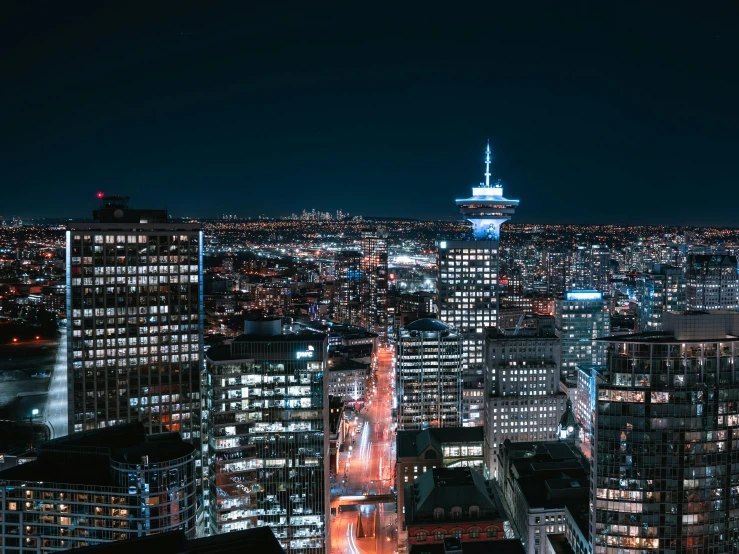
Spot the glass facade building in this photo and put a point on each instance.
(268, 441)
(375, 283)
(666, 436)
(348, 284)
(581, 317)
(713, 282)
(99, 486)
(429, 376)
(662, 290)
(134, 304)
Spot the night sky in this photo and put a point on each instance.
(620, 114)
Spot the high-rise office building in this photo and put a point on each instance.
(374, 283)
(267, 424)
(662, 290)
(558, 270)
(523, 401)
(134, 302)
(429, 376)
(713, 282)
(468, 269)
(99, 486)
(665, 433)
(590, 268)
(348, 283)
(581, 317)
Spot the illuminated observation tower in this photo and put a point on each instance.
(468, 276)
(486, 209)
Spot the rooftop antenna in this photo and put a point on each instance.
(487, 166)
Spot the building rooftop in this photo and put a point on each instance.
(224, 352)
(559, 543)
(340, 363)
(58, 459)
(412, 443)
(503, 546)
(427, 324)
(549, 474)
(260, 540)
(446, 488)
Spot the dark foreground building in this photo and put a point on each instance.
(259, 541)
(666, 439)
(98, 486)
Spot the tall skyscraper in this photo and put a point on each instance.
(662, 290)
(558, 270)
(267, 424)
(713, 282)
(468, 269)
(590, 268)
(348, 283)
(429, 376)
(374, 283)
(581, 317)
(134, 299)
(664, 474)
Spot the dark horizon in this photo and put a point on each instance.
(595, 113)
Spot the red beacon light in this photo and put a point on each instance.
(100, 195)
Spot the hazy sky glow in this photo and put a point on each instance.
(624, 114)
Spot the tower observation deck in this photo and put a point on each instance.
(487, 209)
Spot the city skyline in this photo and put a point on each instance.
(593, 115)
(304, 324)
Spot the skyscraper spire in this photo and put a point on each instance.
(487, 165)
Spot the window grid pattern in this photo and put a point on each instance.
(135, 307)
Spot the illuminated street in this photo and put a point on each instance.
(56, 400)
(368, 470)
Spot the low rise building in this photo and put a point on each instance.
(347, 379)
(417, 452)
(98, 486)
(539, 480)
(451, 545)
(452, 502)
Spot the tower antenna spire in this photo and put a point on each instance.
(487, 165)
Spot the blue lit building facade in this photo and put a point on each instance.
(581, 317)
(468, 280)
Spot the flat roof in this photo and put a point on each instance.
(664, 337)
(502, 546)
(411, 443)
(126, 444)
(258, 539)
